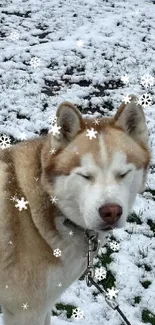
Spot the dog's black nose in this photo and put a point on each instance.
(110, 213)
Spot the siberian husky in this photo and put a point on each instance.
(86, 171)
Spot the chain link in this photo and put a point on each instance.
(92, 242)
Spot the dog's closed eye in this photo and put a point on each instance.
(88, 177)
(121, 176)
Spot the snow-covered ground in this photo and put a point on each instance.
(78, 50)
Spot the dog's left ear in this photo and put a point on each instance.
(130, 117)
(70, 121)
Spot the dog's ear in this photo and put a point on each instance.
(70, 121)
(130, 117)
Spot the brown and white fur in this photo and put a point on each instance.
(83, 174)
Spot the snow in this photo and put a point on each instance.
(71, 50)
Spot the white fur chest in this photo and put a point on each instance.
(72, 247)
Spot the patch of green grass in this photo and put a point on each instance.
(152, 169)
(137, 300)
(146, 284)
(134, 218)
(109, 282)
(152, 192)
(151, 224)
(106, 258)
(61, 307)
(148, 317)
(146, 267)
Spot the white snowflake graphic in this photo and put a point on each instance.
(126, 99)
(112, 293)
(57, 252)
(91, 133)
(5, 142)
(25, 306)
(100, 273)
(13, 198)
(14, 36)
(52, 151)
(6, 286)
(21, 204)
(22, 136)
(75, 150)
(53, 119)
(10, 242)
(114, 246)
(54, 129)
(125, 79)
(80, 43)
(59, 284)
(136, 12)
(147, 81)
(36, 178)
(145, 100)
(96, 122)
(78, 313)
(35, 62)
(53, 199)
(71, 233)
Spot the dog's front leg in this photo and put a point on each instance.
(25, 318)
(48, 319)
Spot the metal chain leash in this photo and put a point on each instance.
(92, 241)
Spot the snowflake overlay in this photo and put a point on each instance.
(35, 62)
(147, 81)
(59, 285)
(14, 36)
(53, 199)
(52, 151)
(21, 204)
(57, 252)
(114, 246)
(5, 142)
(100, 273)
(80, 43)
(96, 122)
(13, 198)
(112, 293)
(53, 119)
(91, 133)
(78, 313)
(25, 306)
(71, 233)
(126, 99)
(145, 100)
(125, 79)
(23, 136)
(54, 129)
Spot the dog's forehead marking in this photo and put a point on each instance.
(97, 157)
(103, 150)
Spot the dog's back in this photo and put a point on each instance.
(25, 257)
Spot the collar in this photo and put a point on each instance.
(71, 224)
(89, 233)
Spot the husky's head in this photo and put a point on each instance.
(96, 175)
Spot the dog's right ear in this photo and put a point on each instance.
(130, 117)
(70, 121)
